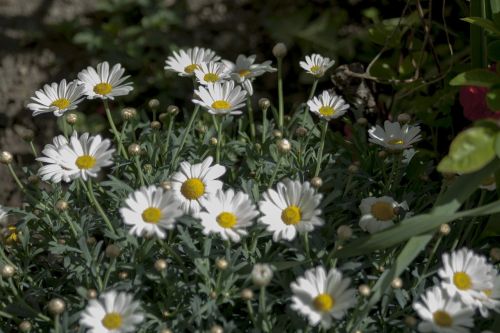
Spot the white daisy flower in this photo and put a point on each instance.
(150, 211)
(245, 70)
(221, 98)
(196, 182)
(379, 213)
(292, 208)
(322, 297)
(328, 106)
(489, 299)
(57, 98)
(228, 214)
(393, 136)
(408, 155)
(316, 64)
(114, 312)
(466, 274)
(489, 184)
(82, 156)
(185, 62)
(211, 72)
(104, 84)
(443, 314)
(3, 217)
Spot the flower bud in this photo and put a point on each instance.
(258, 146)
(128, 113)
(155, 125)
(56, 306)
(264, 103)
(153, 104)
(284, 146)
(364, 290)
(262, 274)
(280, 50)
(112, 251)
(216, 329)
(495, 254)
(247, 294)
(34, 179)
(173, 110)
(91, 241)
(397, 283)
(25, 326)
(382, 154)
(123, 275)
(353, 169)
(8, 271)
(163, 117)
(362, 121)
(62, 205)
(316, 182)
(202, 129)
(134, 149)
(71, 118)
(91, 294)
(444, 229)
(221, 264)
(25, 133)
(277, 134)
(410, 321)
(301, 132)
(148, 168)
(5, 157)
(404, 118)
(344, 232)
(166, 330)
(213, 141)
(160, 265)
(166, 185)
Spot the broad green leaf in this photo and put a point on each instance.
(471, 150)
(486, 24)
(476, 77)
(493, 99)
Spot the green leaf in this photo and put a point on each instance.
(471, 150)
(493, 100)
(476, 77)
(486, 24)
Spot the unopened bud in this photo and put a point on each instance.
(216, 329)
(495, 254)
(26, 134)
(134, 149)
(148, 168)
(221, 264)
(25, 326)
(316, 182)
(262, 274)
(33, 179)
(344, 232)
(277, 134)
(397, 283)
(112, 251)
(301, 132)
(166, 185)
(247, 294)
(213, 141)
(123, 275)
(7, 271)
(172, 110)
(155, 125)
(284, 146)
(71, 118)
(166, 330)
(91, 294)
(128, 113)
(160, 265)
(56, 306)
(353, 168)
(382, 154)
(280, 50)
(264, 103)
(404, 118)
(5, 157)
(444, 229)
(62, 205)
(364, 290)
(362, 121)
(153, 104)
(410, 321)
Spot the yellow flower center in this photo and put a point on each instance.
(382, 211)
(291, 215)
(11, 235)
(211, 77)
(244, 73)
(462, 280)
(61, 103)
(151, 215)
(227, 219)
(85, 162)
(396, 142)
(323, 302)
(191, 68)
(316, 69)
(112, 321)
(442, 318)
(326, 111)
(103, 88)
(193, 188)
(221, 105)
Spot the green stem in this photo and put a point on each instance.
(169, 133)
(264, 124)
(271, 181)
(71, 225)
(262, 305)
(57, 325)
(306, 245)
(477, 35)
(251, 313)
(281, 107)
(250, 118)
(185, 134)
(219, 141)
(311, 94)
(139, 170)
(118, 139)
(110, 269)
(65, 128)
(13, 173)
(321, 147)
(394, 177)
(91, 196)
(33, 149)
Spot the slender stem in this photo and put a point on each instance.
(57, 324)
(118, 139)
(251, 313)
(110, 269)
(396, 166)
(271, 181)
(65, 128)
(33, 149)
(169, 133)
(139, 170)
(90, 194)
(71, 225)
(262, 305)
(280, 95)
(250, 118)
(306, 245)
(219, 141)
(264, 124)
(185, 134)
(311, 94)
(13, 173)
(321, 147)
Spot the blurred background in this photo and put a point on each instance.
(44, 41)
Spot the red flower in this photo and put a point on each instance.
(473, 100)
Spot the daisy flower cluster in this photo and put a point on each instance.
(236, 219)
